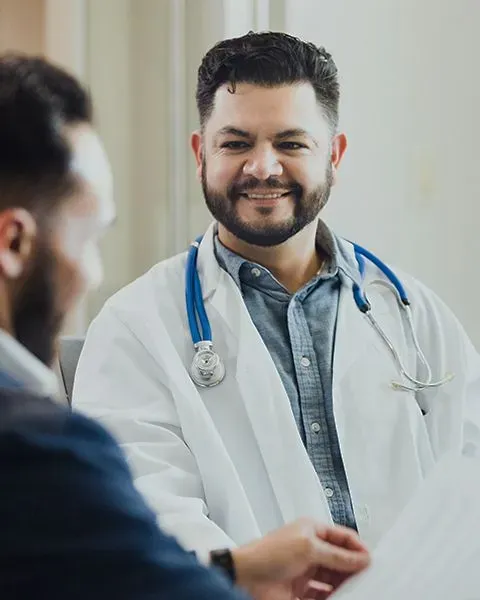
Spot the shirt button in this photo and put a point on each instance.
(329, 492)
(256, 272)
(315, 427)
(305, 362)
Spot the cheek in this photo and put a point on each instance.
(308, 174)
(69, 285)
(222, 170)
(90, 266)
(80, 274)
(80, 249)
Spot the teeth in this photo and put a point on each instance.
(264, 196)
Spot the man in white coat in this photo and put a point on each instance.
(315, 416)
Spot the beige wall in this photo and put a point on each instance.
(22, 25)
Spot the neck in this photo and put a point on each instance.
(293, 263)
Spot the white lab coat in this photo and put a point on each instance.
(224, 465)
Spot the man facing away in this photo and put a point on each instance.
(315, 415)
(72, 525)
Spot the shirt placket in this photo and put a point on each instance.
(312, 408)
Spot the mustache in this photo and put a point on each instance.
(272, 183)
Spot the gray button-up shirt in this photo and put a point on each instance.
(299, 332)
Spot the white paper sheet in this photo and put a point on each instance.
(433, 550)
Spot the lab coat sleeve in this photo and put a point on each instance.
(471, 423)
(117, 382)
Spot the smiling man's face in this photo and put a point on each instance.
(265, 161)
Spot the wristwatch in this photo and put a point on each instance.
(223, 559)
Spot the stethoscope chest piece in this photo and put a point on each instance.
(207, 369)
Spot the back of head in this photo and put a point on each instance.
(55, 198)
(37, 101)
(268, 59)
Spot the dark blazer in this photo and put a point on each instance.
(72, 524)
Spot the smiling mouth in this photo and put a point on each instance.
(266, 196)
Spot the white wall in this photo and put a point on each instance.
(410, 184)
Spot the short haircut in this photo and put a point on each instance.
(268, 59)
(37, 101)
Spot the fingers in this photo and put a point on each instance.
(342, 536)
(314, 590)
(339, 559)
(319, 586)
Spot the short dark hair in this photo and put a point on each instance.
(268, 59)
(37, 99)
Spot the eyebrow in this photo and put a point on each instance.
(228, 130)
(296, 132)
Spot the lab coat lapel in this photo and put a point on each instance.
(353, 333)
(292, 476)
(355, 343)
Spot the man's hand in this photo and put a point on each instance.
(301, 560)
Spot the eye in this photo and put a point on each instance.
(291, 146)
(235, 145)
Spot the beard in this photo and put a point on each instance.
(307, 206)
(36, 320)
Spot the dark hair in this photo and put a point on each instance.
(37, 99)
(268, 59)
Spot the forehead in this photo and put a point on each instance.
(260, 109)
(91, 165)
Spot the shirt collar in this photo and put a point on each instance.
(340, 256)
(25, 368)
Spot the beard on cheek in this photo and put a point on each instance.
(36, 319)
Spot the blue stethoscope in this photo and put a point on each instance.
(208, 369)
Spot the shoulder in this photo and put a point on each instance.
(36, 425)
(51, 457)
(159, 286)
(72, 518)
(423, 299)
(436, 325)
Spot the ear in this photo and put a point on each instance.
(339, 145)
(197, 147)
(17, 234)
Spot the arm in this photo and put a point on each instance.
(119, 384)
(74, 526)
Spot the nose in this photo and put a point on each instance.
(262, 164)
